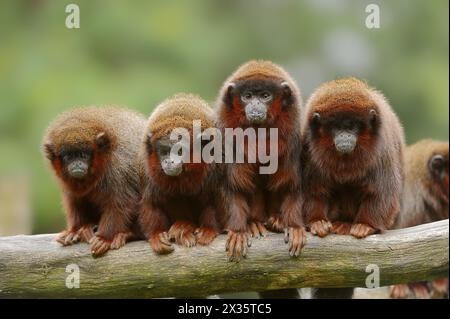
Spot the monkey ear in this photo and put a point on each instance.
(373, 118)
(286, 89)
(148, 143)
(437, 162)
(288, 96)
(228, 96)
(315, 120)
(102, 141)
(49, 150)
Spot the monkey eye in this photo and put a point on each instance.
(437, 162)
(266, 96)
(247, 96)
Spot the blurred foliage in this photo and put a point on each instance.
(136, 53)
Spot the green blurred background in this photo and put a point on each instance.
(136, 53)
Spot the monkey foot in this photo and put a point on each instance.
(420, 290)
(341, 228)
(275, 224)
(237, 245)
(183, 233)
(361, 230)
(295, 237)
(85, 233)
(160, 243)
(440, 285)
(205, 235)
(120, 239)
(257, 229)
(99, 245)
(68, 237)
(320, 227)
(399, 291)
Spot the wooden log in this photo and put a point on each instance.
(35, 266)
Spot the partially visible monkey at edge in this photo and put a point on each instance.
(92, 152)
(261, 94)
(425, 200)
(179, 201)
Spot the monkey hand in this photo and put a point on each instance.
(99, 245)
(160, 243)
(237, 245)
(361, 230)
(205, 235)
(68, 237)
(85, 233)
(295, 237)
(420, 290)
(399, 291)
(120, 239)
(275, 224)
(183, 233)
(257, 229)
(341, 228)
(320, 227)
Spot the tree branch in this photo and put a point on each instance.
(35, 266)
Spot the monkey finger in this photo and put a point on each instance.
(231, 244)
(245, 250)
(302, 241)
(254, 232)
(164, 239)
(238, 248)
(286, 235)
(261, 229)
(86, 233)
(61, 237)
(249, 241)
(69, 238)
(99, 246)
(119, 240)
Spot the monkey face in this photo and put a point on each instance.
(174, 157)
(344, 131)
(74, 162)
(171, 166)
(258, 100)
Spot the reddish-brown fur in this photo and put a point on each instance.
(109, 195)
(425, 199)
(178, 208)
(254, 199)
(359, 192)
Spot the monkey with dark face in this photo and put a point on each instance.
(179, 202)
(92, 151)
(353, 160)
(261, 95)
(425, 200)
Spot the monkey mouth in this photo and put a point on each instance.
(345, 148)
(173, 171)
(78, 173)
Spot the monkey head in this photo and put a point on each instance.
(343, 123)
(171, 162)
(257, 94)
(77, 152)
